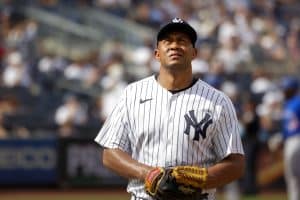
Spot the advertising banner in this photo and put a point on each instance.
(28, 161)
(80, 162)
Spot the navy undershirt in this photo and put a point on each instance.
(176, 91)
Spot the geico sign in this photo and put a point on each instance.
(27, 158)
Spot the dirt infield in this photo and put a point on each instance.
(56, 191)
(65, 194)
(99, 194)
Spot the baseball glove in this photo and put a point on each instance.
(181, 182)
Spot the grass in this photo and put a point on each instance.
(103, 196)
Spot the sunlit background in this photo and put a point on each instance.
(64, 63)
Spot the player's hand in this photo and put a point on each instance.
(181, 182)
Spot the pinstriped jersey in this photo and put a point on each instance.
(196, 126)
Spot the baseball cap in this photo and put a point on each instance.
(289, 82)
(179, 25)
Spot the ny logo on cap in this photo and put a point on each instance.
(177, 20)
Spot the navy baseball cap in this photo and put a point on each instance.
(289, 82)
(179, 25)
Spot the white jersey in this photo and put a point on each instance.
(196, 126)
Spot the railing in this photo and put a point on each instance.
(96, 24)
(112, 27)
(123, 29)
(62, 24)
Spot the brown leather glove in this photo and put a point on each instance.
(181, 182)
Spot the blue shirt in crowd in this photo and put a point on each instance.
(291, 117)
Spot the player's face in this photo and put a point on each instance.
(175, 51)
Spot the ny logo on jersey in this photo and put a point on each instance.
(200, 128)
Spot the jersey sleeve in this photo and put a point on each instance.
(227, 138)
(114, 132)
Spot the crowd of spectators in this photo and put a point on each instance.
(236, 40)
(244, 48)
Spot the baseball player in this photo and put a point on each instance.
(291, 136)
(172, 119)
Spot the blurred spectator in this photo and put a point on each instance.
(112, 82)
(274, 99)
(172, 7)
(145, 15)
(2, 51)
(232, 91)
(293, 41)
(7, 106)
(243, 19)
(114, 72)
(116, 7)
(231, 5)
(270, 40)
(96, 115)
(51, 64)
(8, 16)
(22, 132)
(269, 112)
(216, 75)
(261, 82)
(232, 52)
(141, 58)
(110, 97)
(205, 17)
(78, 69)
(15, 71)
(71, 113)
(250, 139)
(11, 109)
(3, 130)
(201, 63)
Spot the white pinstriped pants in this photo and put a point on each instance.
(291, 165)
(136, 198)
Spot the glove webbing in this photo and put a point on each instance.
(190, 176)
(153, 179)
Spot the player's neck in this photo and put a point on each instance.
(174, 81)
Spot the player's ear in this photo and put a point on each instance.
(156, 54)
(195, 53)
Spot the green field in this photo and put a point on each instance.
(103, 196)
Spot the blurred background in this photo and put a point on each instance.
(64, 63)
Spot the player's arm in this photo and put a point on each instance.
(226, 171)
(231, 166)
(113, 136)
(122, 163)
(220, 174)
